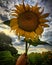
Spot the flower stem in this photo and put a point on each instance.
(26, 49)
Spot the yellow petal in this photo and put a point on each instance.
(45, 25)
(44, 15)
(39, 30)
(23, 4)
(27, 34)
(32, 34)
(14, 28)
(16, 11)
(43, 20)
(42, 11)
(22, 7)
(13, 22)
(17, 7)
(36, 5)
(21, 32)
(14, 15)
(36, 10)
(27, 7)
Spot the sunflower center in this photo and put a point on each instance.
(28, 21)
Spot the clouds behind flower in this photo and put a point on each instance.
(5, 9)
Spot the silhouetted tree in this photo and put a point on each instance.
(6, 44)
(5, 39)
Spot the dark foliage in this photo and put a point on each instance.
(35, 59)
(6, 58)
(40, 59)
(4, 47)
(47, 58)
(6, 44)
(5, 39)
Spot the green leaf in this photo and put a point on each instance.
(37, 42)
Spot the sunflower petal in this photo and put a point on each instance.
(16, 11)
(44, 15)
(37, 11)
(17, 7)
(39, 30)
(36, 5)
(34, 8)
(45, 25)
(32, 34)
(13, 22)
(38, 8)
(43, 20)
(14, 15)
(27, 35)
(20, 31)
(27, 7)
(14, 28)
(42, 11)
(22, 7)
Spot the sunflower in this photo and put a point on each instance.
(29, 21)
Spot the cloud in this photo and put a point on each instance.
(38, 49)
(20, 46)
(3, 17)
(48, 5)
(47, 34)
(6, 7)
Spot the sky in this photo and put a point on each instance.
(5, 9)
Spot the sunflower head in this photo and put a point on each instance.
(29, 20)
